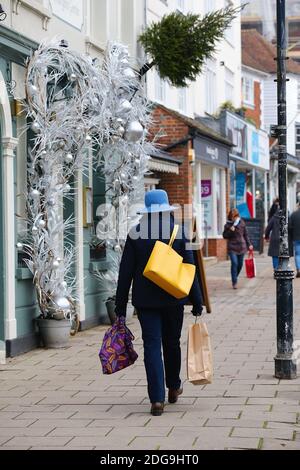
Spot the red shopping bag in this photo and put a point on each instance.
(250, 265)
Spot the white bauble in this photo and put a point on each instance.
(124, 107)
(134, 131)
(35, 194)
(32, 89)
(20, 246)
(73, 77)
(42, 223)
(69, 158)
(34, 230)
(129, 73)
(35, 127)
(55, 264)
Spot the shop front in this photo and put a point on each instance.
(211, 193)
(249, 167)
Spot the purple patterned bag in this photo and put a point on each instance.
(117, 351)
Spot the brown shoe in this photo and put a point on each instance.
(234, 286)
(298, 274)
(174, 394)
(157, 409)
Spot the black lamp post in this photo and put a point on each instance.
(285, 367)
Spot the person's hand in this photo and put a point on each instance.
(251, 248)
(197, 311)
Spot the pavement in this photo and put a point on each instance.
(59, 399)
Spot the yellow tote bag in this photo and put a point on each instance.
(166, 269)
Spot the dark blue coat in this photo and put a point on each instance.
(138, 248)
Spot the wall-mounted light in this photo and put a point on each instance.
(3, 15)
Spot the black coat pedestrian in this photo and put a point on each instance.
(146, 294)
(272, 232)
(294, 225)
(238, 240)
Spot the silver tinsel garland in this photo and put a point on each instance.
(64, 97)
(72, 102)
(123, 156)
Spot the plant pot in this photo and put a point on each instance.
(110, 307)
(54, 333)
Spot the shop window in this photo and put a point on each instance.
(248, 91)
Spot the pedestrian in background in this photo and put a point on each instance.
(294, 231)
(272, 234)
(238, 243)
(159, 313)
(274, 208)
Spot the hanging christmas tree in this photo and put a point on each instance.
(179, 44)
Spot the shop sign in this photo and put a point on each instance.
(70, 11)
(236, 131)
(211, 152)
(258, 148)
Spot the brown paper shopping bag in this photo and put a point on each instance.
(199, 355)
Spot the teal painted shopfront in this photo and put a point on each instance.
(18, 308)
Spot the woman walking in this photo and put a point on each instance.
(272, 233)
(238, 243)
(160, 314)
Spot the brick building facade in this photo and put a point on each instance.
(181, 137)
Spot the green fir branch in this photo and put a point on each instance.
(180, 44)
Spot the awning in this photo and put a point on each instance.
(163, 162)
(163, 166)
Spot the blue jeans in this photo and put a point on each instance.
(297, 254)
(237, 262)
(275, 260)
(161, 328)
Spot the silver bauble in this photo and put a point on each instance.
(123, 176)
(95, 101)
(51, 202)
(124, 107)
(134, 131)
(63, 285)
(59, 260)
(73, 77)
(115, 138)
(35, 127)
(34, 230)
(88, 138)
(67, 188)
(129, 73)
(120, 131)
(32, 89)
(44, 152)
(135, 178)
(117, 248)
(35, 194)
(42, 223)
(55, 264)
(69, 158)
(20, 246)
(61, 144)
(120, 121)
